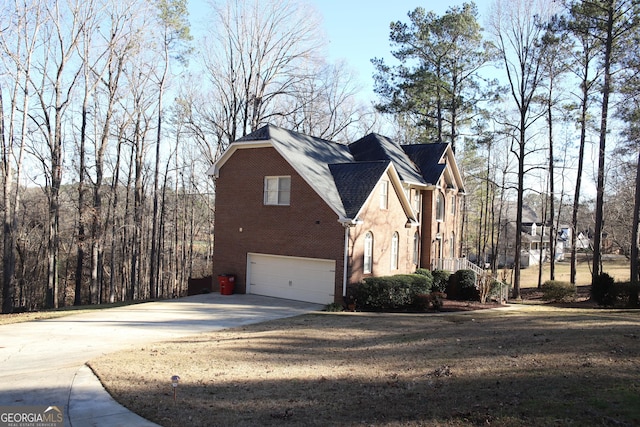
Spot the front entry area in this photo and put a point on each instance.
(301, 279)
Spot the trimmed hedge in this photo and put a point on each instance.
(462, 286)
(558, 291)
(440, 280)
(426, 273)
(602, 290)
(606, 292)
(390, 292)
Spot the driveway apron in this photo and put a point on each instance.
(41, 362)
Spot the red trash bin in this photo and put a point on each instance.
(227, 283)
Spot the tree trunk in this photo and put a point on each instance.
(8, 258)
(552, 195)
(635, 277)
(77, 300)
(576, 195)
(519, 206)
(606, 91)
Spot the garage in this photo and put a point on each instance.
(301, 279)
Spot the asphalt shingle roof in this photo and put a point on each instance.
(427, 158)
(377, 147)
(345, 175)
(356, 181)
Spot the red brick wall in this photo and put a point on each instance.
(305, 228)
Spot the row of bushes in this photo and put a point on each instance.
(609, 293)
(604, 291)
(424, 289)
(389, 292)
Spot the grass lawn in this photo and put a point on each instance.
(526, 365)
(521, 365)
(615, 266)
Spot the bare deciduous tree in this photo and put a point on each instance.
(515, 26)
(256, 54)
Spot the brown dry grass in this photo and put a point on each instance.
(614, 265)
(534, 365)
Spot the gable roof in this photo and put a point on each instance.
(434, 160)
(355, 182)
(510, 211)
(344, 176)
(377, 147)
(427, 157)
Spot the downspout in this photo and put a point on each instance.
(347, 223)
(346, 260)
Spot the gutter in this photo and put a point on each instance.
(347, 223)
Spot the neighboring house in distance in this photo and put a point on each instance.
(583, 242)
(301, 218)
(535, 237)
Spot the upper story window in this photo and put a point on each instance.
(394, 251)
(453, 205)
(439, 207)
(384, 194)
(277, 190)
(452, 245)
(368, 253)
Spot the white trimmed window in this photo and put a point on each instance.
(453, 205)
(384, 194)
(277, 190)
(416, 247)
(439, 207)
(452, 245)
(368, 253)
(394, 251)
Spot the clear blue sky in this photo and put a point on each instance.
(358, 30)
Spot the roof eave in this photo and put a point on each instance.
(214, 170)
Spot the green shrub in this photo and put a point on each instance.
(426, 273)
(419, 284)
(625, 294)
(634, 294)
(424, 302)
(440, 280)
(602, 290)
(462, 286)
(558, 291)
(390, 292)
(334, 307)
(606, 292)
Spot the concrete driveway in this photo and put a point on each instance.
(42, 362)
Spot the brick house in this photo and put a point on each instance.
(299, 217)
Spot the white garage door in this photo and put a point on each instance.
(301, 279)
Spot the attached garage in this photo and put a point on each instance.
(301, 279)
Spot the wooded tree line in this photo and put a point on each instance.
(566, 87)
(112, 111)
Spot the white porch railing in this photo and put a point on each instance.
(454, 264)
